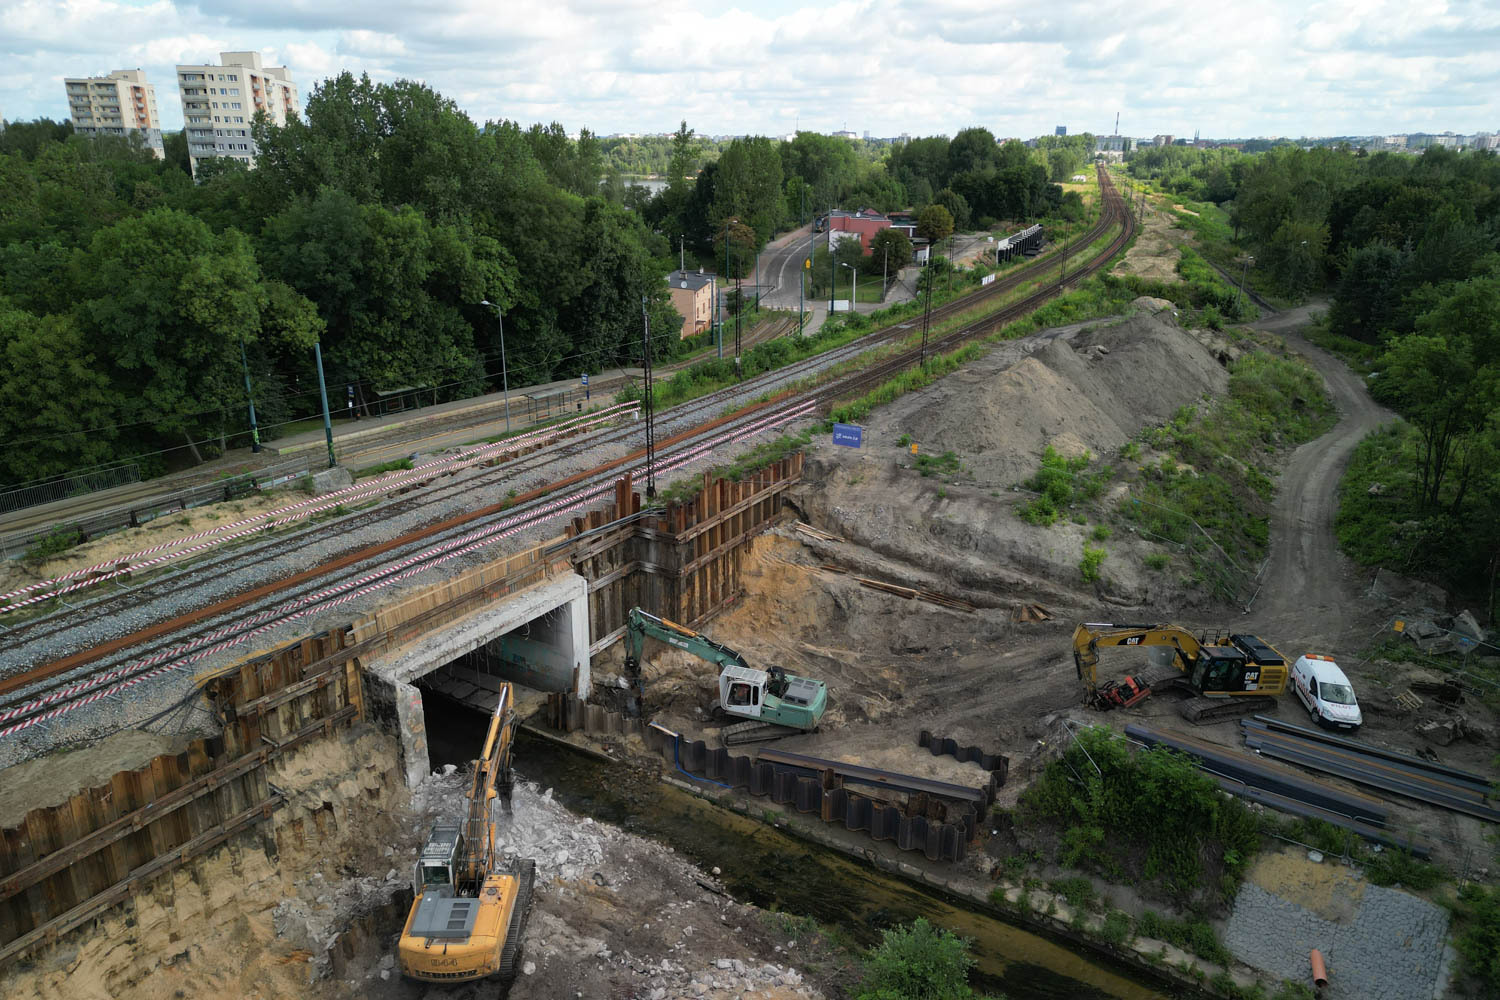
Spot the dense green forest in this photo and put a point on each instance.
(133, 300)
(1407, 249)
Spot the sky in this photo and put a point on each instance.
(886, 67)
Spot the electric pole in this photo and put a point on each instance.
(647, 402)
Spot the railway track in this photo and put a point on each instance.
(38, 690)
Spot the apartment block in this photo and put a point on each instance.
(219, 104)
(117, 104)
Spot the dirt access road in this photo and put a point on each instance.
(1312, 594)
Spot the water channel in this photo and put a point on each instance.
(777, 871)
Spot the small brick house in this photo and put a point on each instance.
(693, 298)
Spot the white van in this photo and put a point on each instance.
(1326, 692)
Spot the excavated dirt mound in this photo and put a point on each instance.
(1092, 391)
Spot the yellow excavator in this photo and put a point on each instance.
(1228, 675)
(470, 908)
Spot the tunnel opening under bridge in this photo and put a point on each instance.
(537, 639)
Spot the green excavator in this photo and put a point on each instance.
(772, 702)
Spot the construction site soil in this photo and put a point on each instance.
(247, 925)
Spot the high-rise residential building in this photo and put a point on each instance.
(219, 104)
(117, 104)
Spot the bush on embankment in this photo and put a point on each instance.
(1150, 818)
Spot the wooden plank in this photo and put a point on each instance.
(89, 908)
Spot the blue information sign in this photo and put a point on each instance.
(848, 435)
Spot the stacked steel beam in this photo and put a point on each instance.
(1373, 767)
(1284, 789)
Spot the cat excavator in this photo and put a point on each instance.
(1226, 675)
(471, 905)
(773, 702)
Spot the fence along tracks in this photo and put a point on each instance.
(783, 403)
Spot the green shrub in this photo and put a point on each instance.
(1101, 532)
(1116, 928)
(1158, 561)
(917, 962)
(1060, 482)
(1089, 564)
(904, 440)
(1078, 891)
(60, 539)
(1478, 933)
(1150, 816)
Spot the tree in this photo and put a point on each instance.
(60, 408)
(741, 247)
(890, 251)
(972, 149)
(935, 224)
(957, 206)
(1445, 379)
(167, 302)
(683, 162)
(747, 186)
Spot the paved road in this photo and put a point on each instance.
(780, 262)
(1308, 580)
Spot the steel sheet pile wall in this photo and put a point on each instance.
(824, 795)
(682, 563)
(996, 763)
(67, 864)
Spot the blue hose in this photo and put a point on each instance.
(676, 746)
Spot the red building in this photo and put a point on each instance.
(864, 224)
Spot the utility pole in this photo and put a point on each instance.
(926, 318)
(1244, 266)
(885, 271)
(323, 391)
(647, 402)
(254, 429)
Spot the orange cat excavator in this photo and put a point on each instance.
(471, 906)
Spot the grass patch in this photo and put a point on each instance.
(1116, 928)
(754, 460)
(1219, 461)
(1158, 561)
(1150, 817)
(945, 464)
(391, 466)
(1196, 936)
(1357, 354)
(60, 539)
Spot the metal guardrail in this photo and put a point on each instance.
(50, 491)
(146, 509)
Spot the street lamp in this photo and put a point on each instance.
(885, 271)
(1244, 266)
(853, 286)
(504, 371)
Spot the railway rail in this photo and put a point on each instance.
(42, 690)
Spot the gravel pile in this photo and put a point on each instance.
(1391, 950)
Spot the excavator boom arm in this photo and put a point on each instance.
(492, 778)
(1088, 636)
(642, 624)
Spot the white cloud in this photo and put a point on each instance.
(886, 66)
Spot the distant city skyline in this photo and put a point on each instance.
(885, 67)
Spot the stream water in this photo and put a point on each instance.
(777, 871)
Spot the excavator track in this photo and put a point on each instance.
(525, 877)
(1206, 711)
(754, 732)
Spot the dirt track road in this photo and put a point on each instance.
(1312, 593)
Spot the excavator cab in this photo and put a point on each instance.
(435, 867)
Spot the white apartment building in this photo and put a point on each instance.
(117, 104)
(219, 104)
